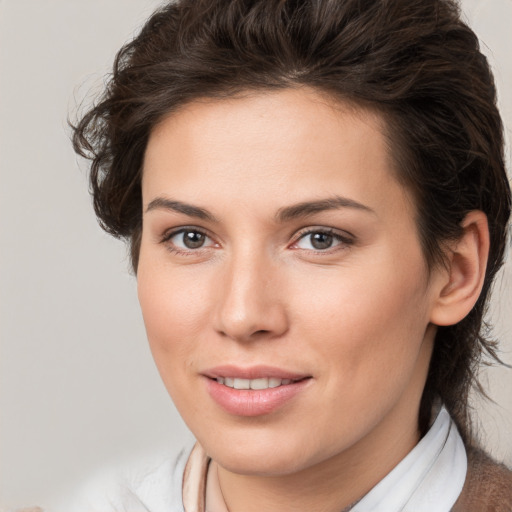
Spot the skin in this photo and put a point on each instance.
(357, 317)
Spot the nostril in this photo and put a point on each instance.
(260, 332)
(250, 335)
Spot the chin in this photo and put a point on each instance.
(259, 464)
(248, 455)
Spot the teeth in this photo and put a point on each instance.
(274, 383)
(259, 383)
(242, 384)
(263, 383)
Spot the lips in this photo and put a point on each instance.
(253, 391)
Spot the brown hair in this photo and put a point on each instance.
(414, 61)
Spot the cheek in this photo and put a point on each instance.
(173, 311)
(174, 306)
(368, 321)
(366, 331)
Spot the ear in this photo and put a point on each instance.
(461, 284)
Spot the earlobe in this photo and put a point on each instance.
(467, 262)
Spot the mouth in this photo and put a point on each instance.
(254, 391)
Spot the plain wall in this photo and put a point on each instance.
(78, 386)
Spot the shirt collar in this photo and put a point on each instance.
(429, 478)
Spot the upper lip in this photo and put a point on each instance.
(252, 372)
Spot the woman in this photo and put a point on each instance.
(316, 203)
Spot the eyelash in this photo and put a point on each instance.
(166, 239)
(343, 240)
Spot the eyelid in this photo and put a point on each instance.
(345, 237)
(168, 234)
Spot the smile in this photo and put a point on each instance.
(254, 391)
(256, 384)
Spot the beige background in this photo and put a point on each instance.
(78, 387)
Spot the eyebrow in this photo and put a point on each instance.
(283, 214)
(162, 203)
(311, 207)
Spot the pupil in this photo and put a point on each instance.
(193, 239)
(321, 240)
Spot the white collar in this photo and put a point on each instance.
(429, 478)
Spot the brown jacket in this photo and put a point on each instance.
(488, 486)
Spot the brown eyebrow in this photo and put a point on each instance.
(179, 207)
(283, 214)
(311, 207)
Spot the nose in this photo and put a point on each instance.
(251, 300)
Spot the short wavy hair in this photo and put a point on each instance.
(413, 61)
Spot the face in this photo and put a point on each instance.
(281, 280)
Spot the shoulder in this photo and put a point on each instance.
(151, 485)
(488, 486)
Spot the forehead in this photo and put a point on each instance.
(245, 148)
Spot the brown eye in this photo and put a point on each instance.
(321, 241)
(188, 239)
(193, 239)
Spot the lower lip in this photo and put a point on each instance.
(257, 402)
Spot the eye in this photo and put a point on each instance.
(321, 240)
(187, 239)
